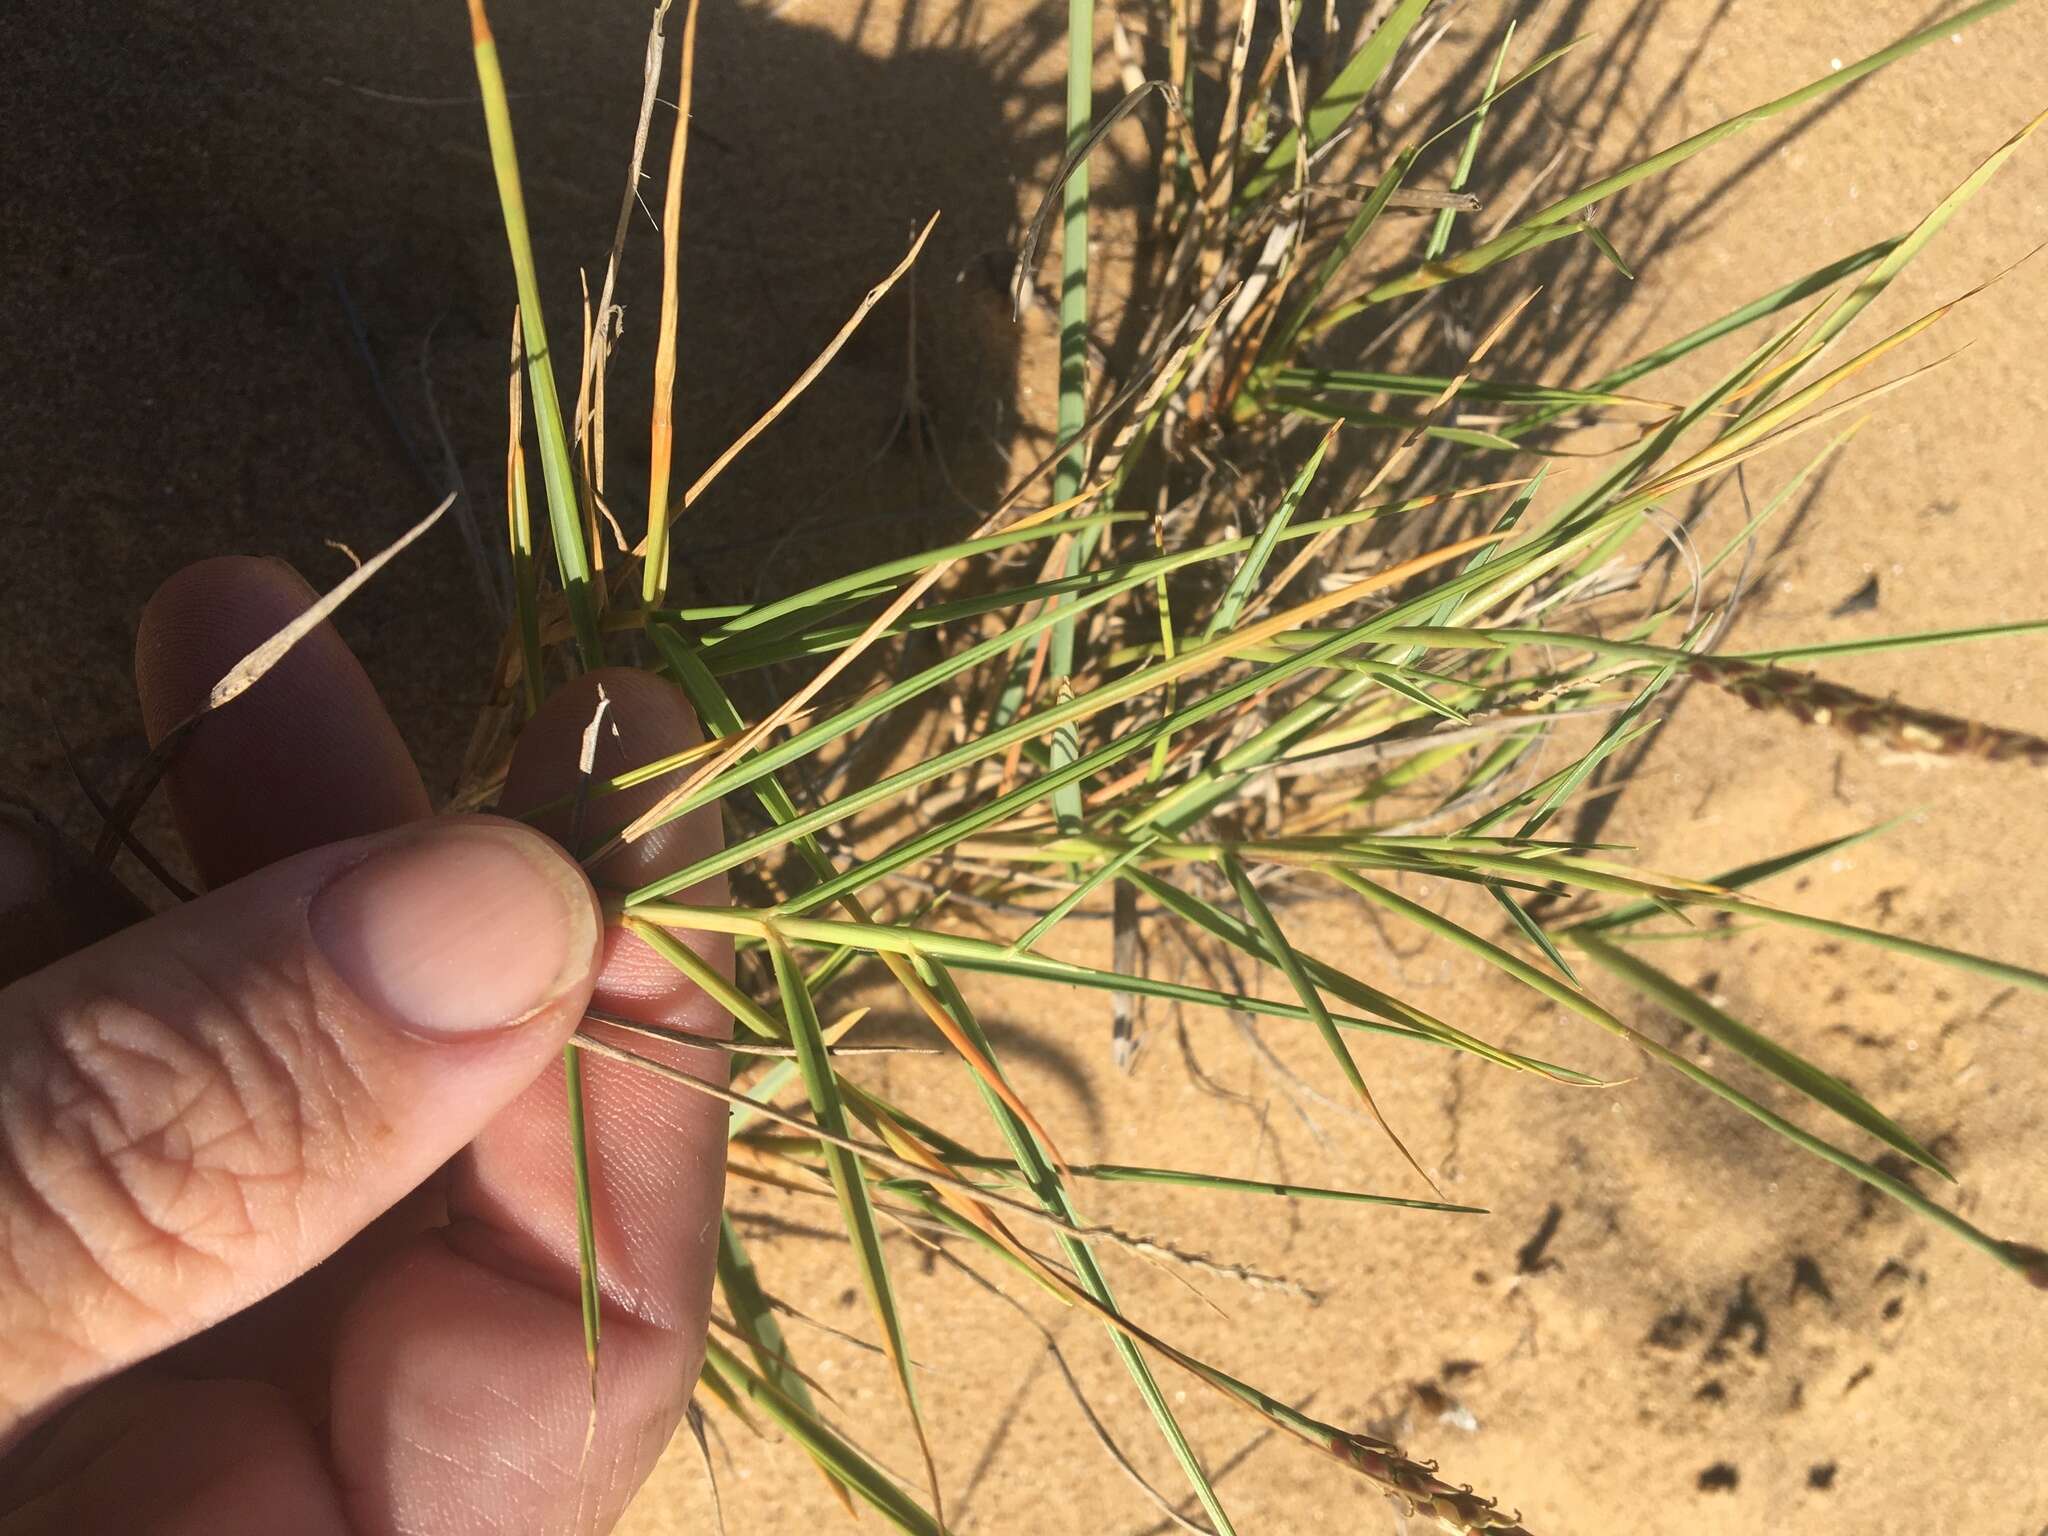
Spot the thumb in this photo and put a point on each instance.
(201, 1108)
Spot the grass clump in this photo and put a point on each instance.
(1125, 697)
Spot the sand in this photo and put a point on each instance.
(1670, 1322)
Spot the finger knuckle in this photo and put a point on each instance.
(152, 1138)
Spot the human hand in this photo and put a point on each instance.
(287, 1225)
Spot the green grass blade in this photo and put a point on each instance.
(1818, 281)
(1754, 424)
(1508, 636)
(1884, 643)
(715, 1387)
(1517, 242)
(1113, 583)
(1734, 879)
(967, 953)
(519, 533)
(802, 607)
(740, 1284)
(704, 975)
(1514, 241)
(1124, 1173)
(840, 1459)
(855, 1208)
(1094, 881)
(945, 763)
(1322, 408)
(1343, 96)
(1120, 1173)
(761, 1090)
(586, 1224)
(565, 516)
(722, 657)
(1142, 681)
(722, 720)
(1281, 343)
(1440, 232)
(1606, 248)
(2026, 1260)
(1562, 786)
(1896, 260)
(1073, 360)
(1634, 465)
(1308, 381)
(1591, 876)
(1980, 965)
(1745, 537)
(1791, 1069)
(1052, 1194)
(1361, 224)
(1407, 1018)
(1219, 780)
(1297, 977)
(732, 642)
(806, 742)
(1391, 677)
(1530, 929)
(1245, 579)
(1073, 363)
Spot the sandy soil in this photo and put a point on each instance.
(1670, 1322)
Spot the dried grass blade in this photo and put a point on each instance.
(803, 381)
(241, 677)
(661, 449)
(244, 673)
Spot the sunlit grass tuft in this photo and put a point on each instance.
(1213, 713)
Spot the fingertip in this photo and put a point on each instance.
(463, 927)
(645, 719)
(485, 1312)
(174, 1457)
(196, 614)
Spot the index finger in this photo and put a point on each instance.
(468, 1350)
